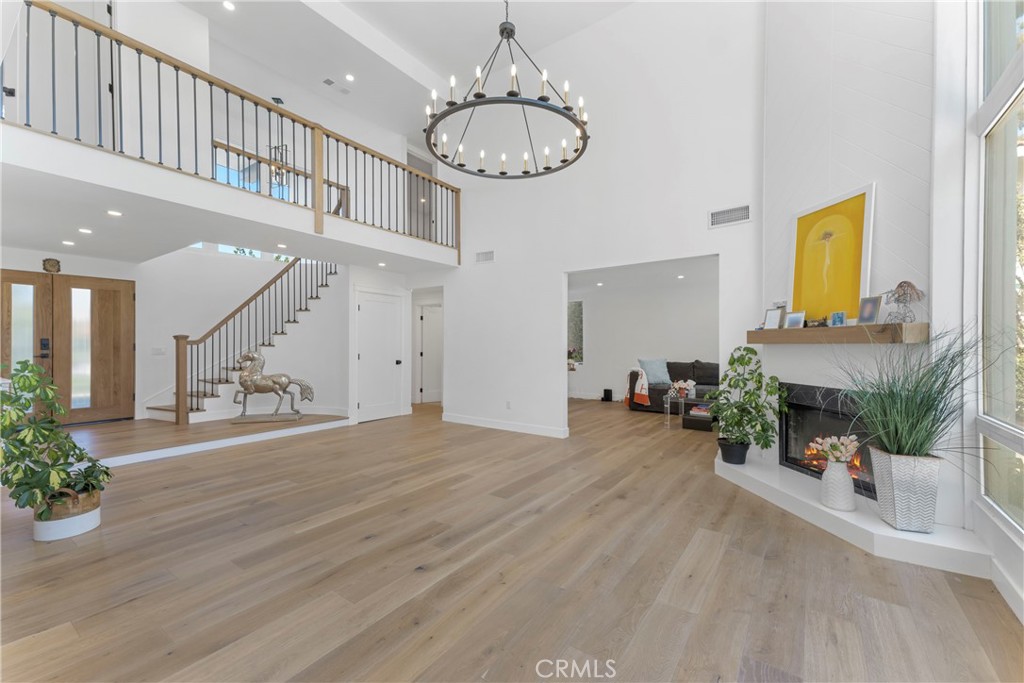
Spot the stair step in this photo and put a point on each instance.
(171, 409)
(313, 298)
(302, 310)
(224, 380)
(291, 322)
(280, 332)
(202, 394)
(268, 344)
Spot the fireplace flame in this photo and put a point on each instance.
(814, 459)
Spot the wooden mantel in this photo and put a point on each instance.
(891, 333)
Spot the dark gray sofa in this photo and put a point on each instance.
(704, 374)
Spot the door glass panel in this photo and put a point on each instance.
(81, 348)
(1004, 479)
(22, 322)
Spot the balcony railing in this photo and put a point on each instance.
(77, 79)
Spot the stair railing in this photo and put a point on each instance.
(78, 79)
(201, 364)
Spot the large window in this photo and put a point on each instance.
(1002, 306)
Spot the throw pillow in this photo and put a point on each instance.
(656, 370)
(680, 372)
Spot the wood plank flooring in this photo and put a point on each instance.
(107, 439)
(411, 549)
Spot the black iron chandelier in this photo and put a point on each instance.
(448, 126)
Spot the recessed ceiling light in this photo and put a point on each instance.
(600, 284)
(229, 6)
(68, 243)
(680, 277)
(282, 246)
(111, 212)
(381, 264)
(349, 77)
(85, 231)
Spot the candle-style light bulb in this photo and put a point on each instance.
(547, 160)
(579, 137)
(565, 94)
(586, 117)
(513, 89)
(427, 110)
(433, 98)
(451, 90)
(501, 169)
(526, 161)
(462, 160)
(481, 169)
(478, 91)
(580, 112)
(565, 150)
(444, 145)
(544, 86)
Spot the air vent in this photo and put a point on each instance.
(741, 214)
(334, 85)
(485, 257)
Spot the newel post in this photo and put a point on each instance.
(181, 379)
(318, 180)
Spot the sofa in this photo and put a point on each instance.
(704, 374)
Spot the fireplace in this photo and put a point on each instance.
(820, 411)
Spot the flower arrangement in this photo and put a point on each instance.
(836, 448)
(684, 387)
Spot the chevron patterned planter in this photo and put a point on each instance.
(907, 487)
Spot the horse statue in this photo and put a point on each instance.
(253, 381)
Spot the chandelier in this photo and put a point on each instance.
(525, 107)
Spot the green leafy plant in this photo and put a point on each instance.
(912, 396)
(747, 404)
(41, 463)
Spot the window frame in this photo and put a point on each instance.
(990, 111)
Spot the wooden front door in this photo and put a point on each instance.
(83, 334)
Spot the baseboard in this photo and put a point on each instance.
(230, 413)
(522, 427)
(1006, 542)
(591, 396)
(188, 449)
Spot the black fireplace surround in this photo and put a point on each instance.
(821, 411)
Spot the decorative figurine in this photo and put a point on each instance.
(253, 381)
(903, 294)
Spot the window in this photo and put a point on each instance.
(576, 331)
(1001, 422)
(239, 251)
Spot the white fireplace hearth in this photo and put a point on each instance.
(949, 548)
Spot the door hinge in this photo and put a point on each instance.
(8, 92)
(358, 406)
(421, 354)
(359, 356)
(133, 346)
(421, 390)
(421, 317)
(359, 307)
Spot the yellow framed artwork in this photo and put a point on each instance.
(832, 257)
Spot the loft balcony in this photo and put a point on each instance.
(92, 118)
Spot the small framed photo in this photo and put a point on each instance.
(869, 307)
(794, 320)
(773, 319)
(838, 319)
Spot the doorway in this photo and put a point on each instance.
(379, 355)
(81, 330)
(428, 354)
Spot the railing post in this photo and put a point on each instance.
(318, 180)
(458, 226)
(181, 379)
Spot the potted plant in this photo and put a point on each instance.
(42, 466)
(909, 401)
(746, 405)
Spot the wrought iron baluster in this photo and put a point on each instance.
(99, 92)
(159, 115)
(78, 110)
(227, 137)
(213, 148)
(195, 126)
(28, 64)
(142, 149)
(177, 111)
(120, 97)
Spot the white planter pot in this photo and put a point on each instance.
(837, 488)
(907, 487)
(56, 529)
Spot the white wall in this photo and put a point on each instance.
(848, 101)
(669, 144)
(678, 322)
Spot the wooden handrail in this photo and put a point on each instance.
(232, 314)
(87, 23)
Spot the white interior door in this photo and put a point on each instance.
(379, 356)
(431, 340)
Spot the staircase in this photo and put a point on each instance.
(204, 364)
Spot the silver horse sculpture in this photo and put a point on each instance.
(253, 381)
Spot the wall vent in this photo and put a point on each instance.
(740, 214)
(485, 257)
(334, 85)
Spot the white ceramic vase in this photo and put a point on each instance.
(837, 487)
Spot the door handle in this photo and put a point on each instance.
(398, 362)
(43, 355)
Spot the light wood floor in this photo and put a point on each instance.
(413, 549)
(107, 439)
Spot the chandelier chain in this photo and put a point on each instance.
(506, 10)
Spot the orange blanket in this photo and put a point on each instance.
(640, 391)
